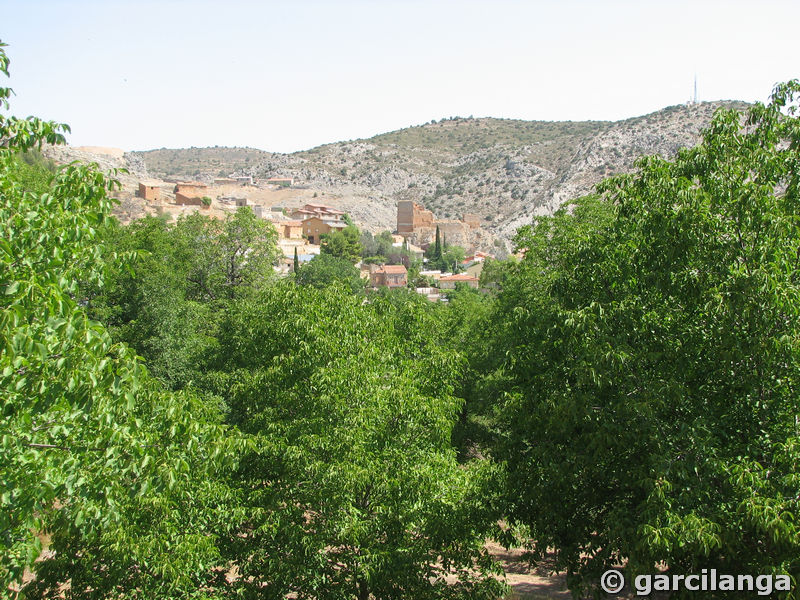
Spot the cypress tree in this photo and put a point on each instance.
(296, 261)
(437, 248)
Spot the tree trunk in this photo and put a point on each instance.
(363, 590)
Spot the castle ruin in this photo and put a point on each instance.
(418, 225)
(411, 216)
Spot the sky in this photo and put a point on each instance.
(287, 76)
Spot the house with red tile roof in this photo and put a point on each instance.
(322, 211)
(391, 276)
(449, 282)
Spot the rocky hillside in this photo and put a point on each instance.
(506, 171)
(126, 167)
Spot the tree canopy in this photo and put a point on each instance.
(444, 256)
(94, 452)
(350, 409)
(650, 344)
(344, 243)
(326, 269)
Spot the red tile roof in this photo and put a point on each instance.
(459, 277)
(391, 269)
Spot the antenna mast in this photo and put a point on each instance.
(695, 88)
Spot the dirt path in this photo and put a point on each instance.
(529, 583)
(539, 582)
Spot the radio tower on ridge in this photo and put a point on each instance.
(693, 100)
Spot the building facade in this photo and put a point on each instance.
(472, 220)
(391, 276)
(323, 211)
(281, 181)
(411, 216)
(449, 282)
(149, 190)
(290, 230)
(190, 193)
(315, 227)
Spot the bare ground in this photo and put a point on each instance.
(529, 582)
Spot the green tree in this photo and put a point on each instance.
(368, 245)
(650, 363)
(92, 450)
(494, 272)
(352, 488)
(452, 257)
(325, 270)
(445, 257)
(150, 303)
(296, 263)
(414, 268)
(165, 303)
(468, 320)
(31, 171)
(248, 249)
(344, 243)
(228, 257)
(384, 242)
(376, 249)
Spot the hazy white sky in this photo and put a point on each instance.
(285, 76)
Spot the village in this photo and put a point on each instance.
(302, 227)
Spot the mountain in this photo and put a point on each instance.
(505, 171)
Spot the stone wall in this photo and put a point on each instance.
(411, 216)
(473, 220)
(151, 193)
(418, 226)
(188, 200)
